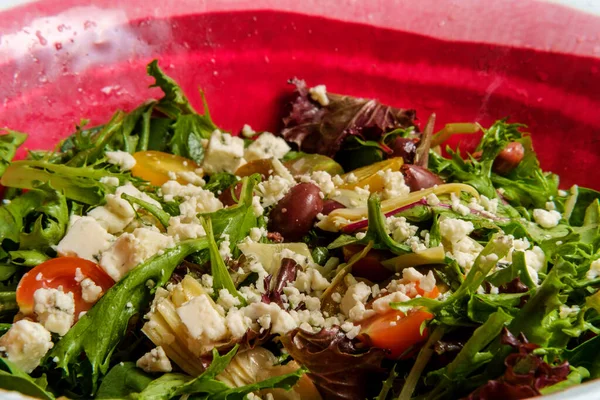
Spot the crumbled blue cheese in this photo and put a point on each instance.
(90, 292)
(393, 184)
(594, 270)
(491, 205)
(354, 300)
(110, 181)
(225, 153)
(248, 132)
(266, 146)
(432, 200)
(273, 190)
(457, 207)
(202, 319)
(270, 316)
(54, 309)
(85, 238)
(118, 212)
(319, 94)
(26, 343)
(155, 360)
(179, 230)
(400, 229)
(453, 229)
(130, 249)
(546, 219)
(123, 159)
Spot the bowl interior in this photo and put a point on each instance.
(243, 59)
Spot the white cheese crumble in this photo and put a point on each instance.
(122, 159)
(393, 184)
(566, 312)
(400, 229)
(266, 146)
(594, 270)
(26, 343)
(130, 249)
(546, 219)
(90, 292)
(432, 200)
(55, 309)
(85, 238)
(457, 207)
(110, 181)
(248, 132)
(179, 230)
(319, 94)
(225, 153)
(273, 189)
(155, 360)
(453, 229)
(202, 319)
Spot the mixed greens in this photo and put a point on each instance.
(347, 257)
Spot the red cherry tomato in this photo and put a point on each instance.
(57, 272)
(395, 331)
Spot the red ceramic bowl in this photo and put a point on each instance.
(535, 62)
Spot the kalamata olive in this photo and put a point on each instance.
(295, 214)
(330, 205)
(418, 178)
(509, 158)
(227, 196)
(405, 148)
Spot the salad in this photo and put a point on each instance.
(346, 257)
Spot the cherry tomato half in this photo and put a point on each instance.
(154, 166)
(395, 331)
(57, 272)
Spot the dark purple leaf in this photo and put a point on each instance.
(337, 367)
(287, 273)
(322, 129)
(526, 373)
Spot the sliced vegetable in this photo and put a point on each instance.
(432, 255)
(368, 176)
(395, 331)
(61, 272)
(157, 167)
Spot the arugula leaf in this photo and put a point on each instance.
(76, 183)
(527, 185)
(188, 130)
(377, 229)
(122, 380)
(8, 303)
(481, 306)
(162, 216)
(172, 91)
(218, 269)
(577, 204)
(97, 336)
(236, 221)
(220, 181)
(51, 218)
(162, 388)
(27, 258)
(9, 143)
(585, 355)
(472, 356)
(13, 379)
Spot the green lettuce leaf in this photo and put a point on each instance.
(13, 379)
(9, 143)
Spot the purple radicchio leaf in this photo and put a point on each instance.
(337, 368)
(322, 129)
(287, 273)
(526, 373)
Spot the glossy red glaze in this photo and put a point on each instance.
(64, 61)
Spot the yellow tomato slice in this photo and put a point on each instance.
(367, 175)
(154, 166)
